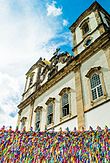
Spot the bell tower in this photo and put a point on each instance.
(89, 27)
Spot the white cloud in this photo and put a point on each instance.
(53, 10)
(25, 34)
(9, 97)
(65, 22)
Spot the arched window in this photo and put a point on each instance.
(37, 123)
(50, 110)
(23, 122)
(49, 113)
(85, 28)
(65, 104)
(31, 80)
(38, 112)
(22, 125)
(96, 86)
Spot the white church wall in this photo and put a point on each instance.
(29, 92)
(53, 92)
(78, 35)
(80, 48)
(35, 71)
(60, 66)
(46, 79)
(93, 21)
(99, 59)
(32, 88)
(27, 84)
(25, 113)
(70, 124)
(99, 116)
(94, 36)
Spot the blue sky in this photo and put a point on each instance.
(30, 29)
(73, 8)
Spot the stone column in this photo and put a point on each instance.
(79, 99)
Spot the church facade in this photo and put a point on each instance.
(72, 91)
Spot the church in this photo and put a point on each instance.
(72, 91)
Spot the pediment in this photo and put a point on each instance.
(50, 100)
(39, 108)
(66, 89)
(92, 70)
(23, 119)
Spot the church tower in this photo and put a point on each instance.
(89, 27)
(91, 48)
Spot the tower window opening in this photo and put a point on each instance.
(85, 28)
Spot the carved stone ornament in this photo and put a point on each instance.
(50, 100)
(39, 108)
(66, 89)
(23, 119)
(92, 70)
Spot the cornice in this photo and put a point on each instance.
(101, 42)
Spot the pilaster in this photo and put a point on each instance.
(31, 112)
(79, 99)
(107, 53)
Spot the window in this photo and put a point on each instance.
(22, 125)
(31, 80)
(85, 28)
(65, 105)
(96, 87)
(88, 42)
(65, 102)
(23, 122)
(52, 72)
(37, 124)
(38, 112)
(50, 110)
(50, 113)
